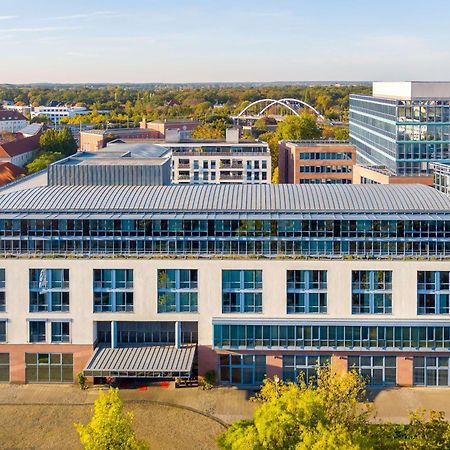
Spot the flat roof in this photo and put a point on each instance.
(409, 90)
(223, 199)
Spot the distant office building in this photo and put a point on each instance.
(11, 121)
(173, 127)
(22, 109)
(402, 127)
(215, 161)
(311, 162)
(441, 176)
(117, 165)
(56, 112)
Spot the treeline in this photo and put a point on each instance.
(131, 104)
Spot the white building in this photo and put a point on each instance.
(56, 113)
(220, 162)
(270, 279)
(11, 121)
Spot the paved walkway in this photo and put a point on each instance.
(225, 404)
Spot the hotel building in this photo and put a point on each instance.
(245, 280)
(400, 129)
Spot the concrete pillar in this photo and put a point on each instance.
(207, 360)
(339, 364)
(405, 370)
(113, 334)
(177, 334)
(274, 366)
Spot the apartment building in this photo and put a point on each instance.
(139, 281)
(218, 162)
(163, 128)
(11, 121)
(317, 161)
(401, 128)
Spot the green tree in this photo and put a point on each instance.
(299, 127)
(208, 131)
(58, 141)
(272, 138)
(341, 134)
(42, 161)
(110, 427)
(325, 414)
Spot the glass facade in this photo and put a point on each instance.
(49, 367)
(376, 237)
(241, 291)
(377, 370)
(401, 135)
(431, 371)
(177, 290)
(306, 291)
(304, 367)
(113, 290)
(49, 290)
(244, 370)
(279, 337)
(433, 290)
(371, 292)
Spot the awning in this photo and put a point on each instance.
(163, 361)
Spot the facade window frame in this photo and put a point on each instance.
(239, 294)
(370, 294)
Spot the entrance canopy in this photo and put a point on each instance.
(163, 361)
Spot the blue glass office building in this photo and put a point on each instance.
(402, 127)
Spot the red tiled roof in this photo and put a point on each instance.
(11, 115)
(19, 146)
(9, 172)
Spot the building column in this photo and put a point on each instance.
(178, 334)
(274, 366)
(405, 370)
(113, 334)
(339, 364)
(207, 360)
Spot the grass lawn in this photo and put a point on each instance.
(51, 427)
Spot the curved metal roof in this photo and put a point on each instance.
(228, 198)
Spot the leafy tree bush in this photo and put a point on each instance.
(110, 427)
(42, 161)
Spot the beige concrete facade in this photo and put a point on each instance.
(295, 168)
(364, 175)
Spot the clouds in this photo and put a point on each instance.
(7, 17)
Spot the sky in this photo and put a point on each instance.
(174, 41)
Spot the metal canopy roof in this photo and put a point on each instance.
(227, 198)
(153, 361)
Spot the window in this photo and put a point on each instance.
(37, 331)
(49, 367)
(60, 332)
(177, 290)
(2, 291)
(113, 290)
(378, 370)
(433, 292)
(4, 367)
(306, 291)
(305, 366)
(245, 370)
(49, 290)
(241, 291)
(2, 330)
(431, 371)
(371, 292)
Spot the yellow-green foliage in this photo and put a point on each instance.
(110, 427)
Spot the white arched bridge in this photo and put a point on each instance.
(275, 108)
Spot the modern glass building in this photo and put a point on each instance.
(402, 126)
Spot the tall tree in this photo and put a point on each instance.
(299, 127)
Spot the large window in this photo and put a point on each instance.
(371, 292)
(245, 370)
(2, 330)
(433, 290)
(276, 336)
(60, 331)
(49, 290)
(49, 367)
(4, 367)
(2, 291)
(37, 331)
(304, 367)
(113, 290)
(177, 290)
(241, 291)
(431, 370)
(377, 370)
(306, 291)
